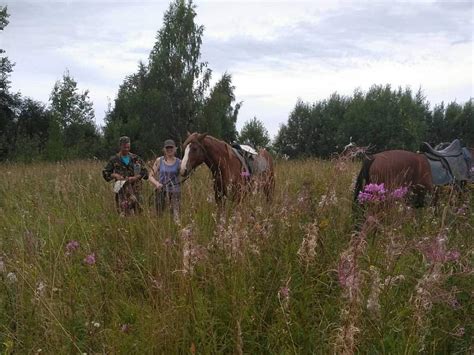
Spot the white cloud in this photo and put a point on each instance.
(276, 51)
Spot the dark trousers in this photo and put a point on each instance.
(164, 199)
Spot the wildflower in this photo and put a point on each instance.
(345, 271)
(245, 174)
(284, 292)
(328, 200)
(2, 266)
(192, 252)
(399, 193)
(90, 259)
(11, 277)
(284, 295)
(125, 328)
(96, 324)
(71, 247)
(435, 251)
(231, 238)
(462, 210)
(307, 250)
(375, 189)
(372, 193)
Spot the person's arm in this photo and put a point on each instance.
(154, 171)
(108, 172)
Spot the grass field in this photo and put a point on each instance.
(290, 277)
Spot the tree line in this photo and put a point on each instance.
(383, 118)
(170, 94)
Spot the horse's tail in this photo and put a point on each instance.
(364, 177)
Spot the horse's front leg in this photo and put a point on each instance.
(219, 193)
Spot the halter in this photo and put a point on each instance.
(206, 154)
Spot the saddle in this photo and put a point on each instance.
(449, 165)
(453, 150)
(246, 155)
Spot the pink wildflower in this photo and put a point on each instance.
(90, 259)
(399, 193)
(71, 247)
(284, 292)
(436, 252)
(372, 193)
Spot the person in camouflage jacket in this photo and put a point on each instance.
(130, 168)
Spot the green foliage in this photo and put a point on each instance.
(73, 131)
(32, 129)
(167, 97)
(382, 118)
(6, 67)
(254, 133)
(219, 116)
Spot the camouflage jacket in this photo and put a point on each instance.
(115, 165)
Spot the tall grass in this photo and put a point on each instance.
(293, 276)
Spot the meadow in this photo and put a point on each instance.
(290, 277)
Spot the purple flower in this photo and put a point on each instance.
(462, 210)
(90, 259)
(372, 193)
(436, 252)
(375, 189)
(284, 292)
(399, 193)
(452, 255)
(125, 328)
(245, 174)
(71, 247)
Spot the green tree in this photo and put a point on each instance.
(254, 133)
(466, 123)
(8, 102)
(31, 130)
(177, 71)
(295, 137)
(72, 133)
(219, 114)
(166, 97)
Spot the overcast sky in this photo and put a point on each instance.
(276, 51)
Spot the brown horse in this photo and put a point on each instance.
(396, 168)
(228, 172)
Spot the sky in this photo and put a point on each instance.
(276, 51)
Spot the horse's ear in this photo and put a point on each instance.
(188, 133)
(202, 136)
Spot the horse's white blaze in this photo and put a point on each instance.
(184, 162)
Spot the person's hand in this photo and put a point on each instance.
(133, 178)
(158, 185)
(117, 176)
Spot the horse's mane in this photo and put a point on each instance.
(194, 137)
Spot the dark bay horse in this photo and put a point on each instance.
(228, 172)
(396, 168)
